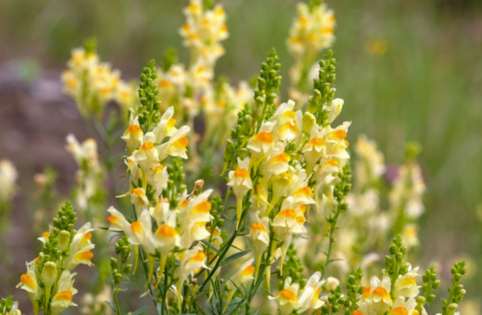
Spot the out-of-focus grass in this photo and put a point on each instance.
(426, 87)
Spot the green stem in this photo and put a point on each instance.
(116, 302)
(331, 240)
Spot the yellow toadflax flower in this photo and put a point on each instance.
(287, 298)
(240, 181)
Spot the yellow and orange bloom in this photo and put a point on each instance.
(287, 299)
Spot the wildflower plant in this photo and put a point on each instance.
(288, 227)
(49, 277)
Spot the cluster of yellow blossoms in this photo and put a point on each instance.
(370, 224)
(292, 178)
(287, 167)
(377, 297)
(203, 32)
(311, 32)
(179, 226)
(49, 278)
(191, 90)
(93, 84)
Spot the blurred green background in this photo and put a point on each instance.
(407, 70)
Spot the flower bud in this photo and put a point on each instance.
(127, 269)
(49, 274)
(308, 123)
(452, 308)
(335, 109)
(64, 240)
(114, 264)
(332, 283)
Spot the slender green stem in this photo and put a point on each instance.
(331, 241)
(116, 302)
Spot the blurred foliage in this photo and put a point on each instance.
(407, 70)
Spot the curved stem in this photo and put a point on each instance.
(116, 302)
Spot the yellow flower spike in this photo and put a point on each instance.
(136, 261)
(151, 260)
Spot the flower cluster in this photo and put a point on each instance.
(372, 220)
(89, 175)
(311, 32)
(180, 87)
(49, 277)
(280, 159)
(92, 83)
(183, 87)
(400, 291)
(288, 215)
(203, 32)
(191, 89)
(168, 223)
(306, 300)
(8, 177)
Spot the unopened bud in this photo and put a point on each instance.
(452, 308)
(49, 274)
(64, 240)
(308, 123)
(335, 109)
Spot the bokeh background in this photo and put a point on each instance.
(407, 70)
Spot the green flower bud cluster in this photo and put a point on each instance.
(412, 150)
(208, 4)
(430, 283)
(217, 209)
(61, 235)
(336, 300)
(236, 144)
(353, 289)
(324, 90)
(456, 291)
(90, 46)
(7, 306)
(175, 184)
(119, 266)
(395, 261)
(293, 267)
(343, 187)
(315, 3)
(340, 191)
(149, 111)
(267, 87)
